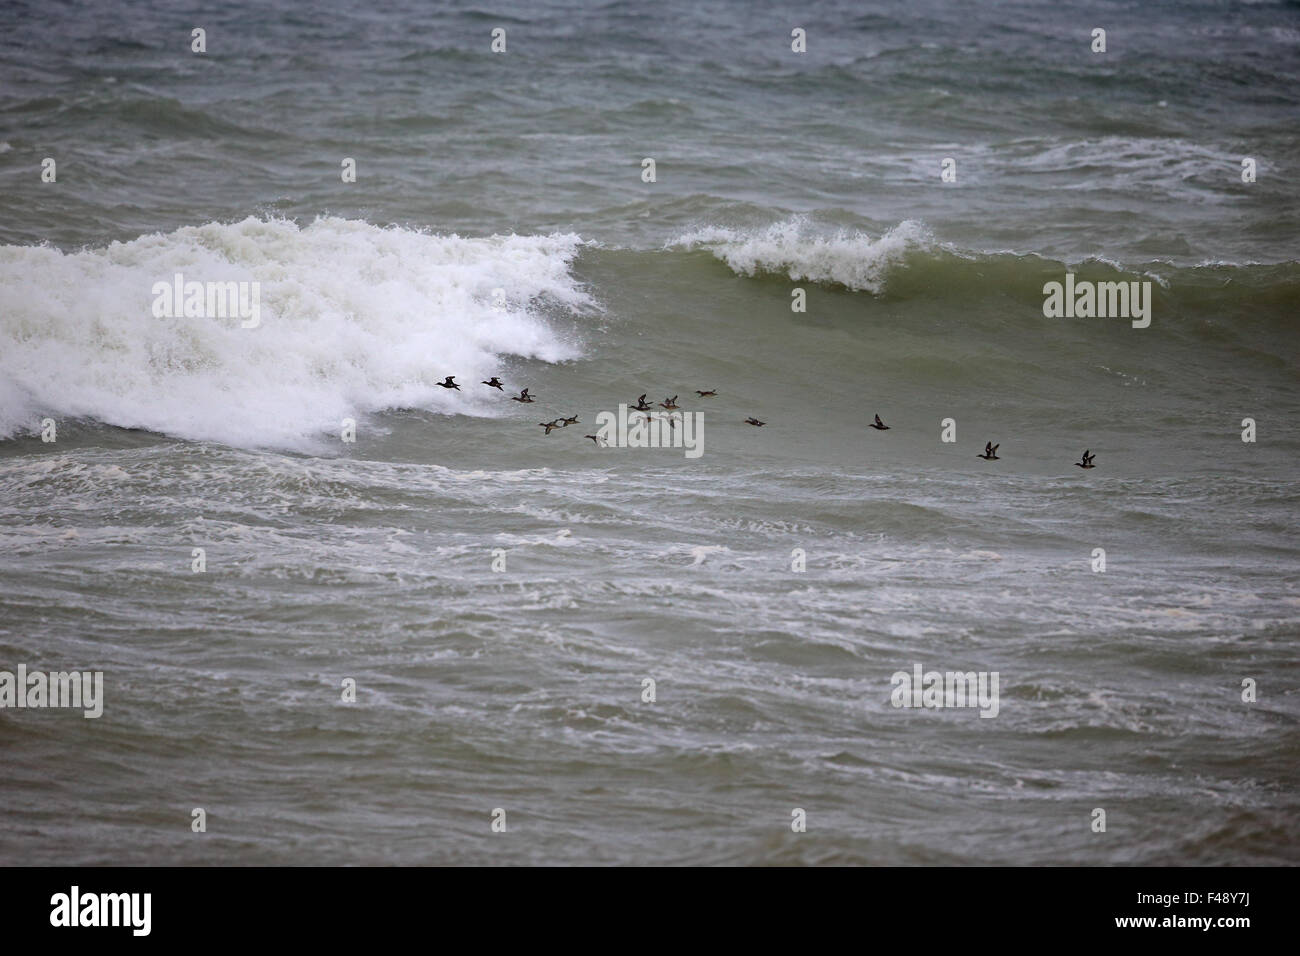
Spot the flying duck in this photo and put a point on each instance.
(990, 452)
(450, 383)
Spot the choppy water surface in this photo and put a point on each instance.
(522, 688)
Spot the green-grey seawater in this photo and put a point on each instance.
(500, 595)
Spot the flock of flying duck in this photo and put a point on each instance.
(670, 404)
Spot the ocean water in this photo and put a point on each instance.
(499, 595)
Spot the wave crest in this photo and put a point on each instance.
(354, 319)
(792, 248)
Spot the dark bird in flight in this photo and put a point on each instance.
(1086, 460)
(523, 397)
(669, 403)
(990, 452)
(754, 421)
(708, 393)
(495, 383)
(450, 383)
(878, 425)
(641, 405)
(595, 440)
(566, 422)
(549, 425)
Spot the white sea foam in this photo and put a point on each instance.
(354, 319)
(852, 259)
